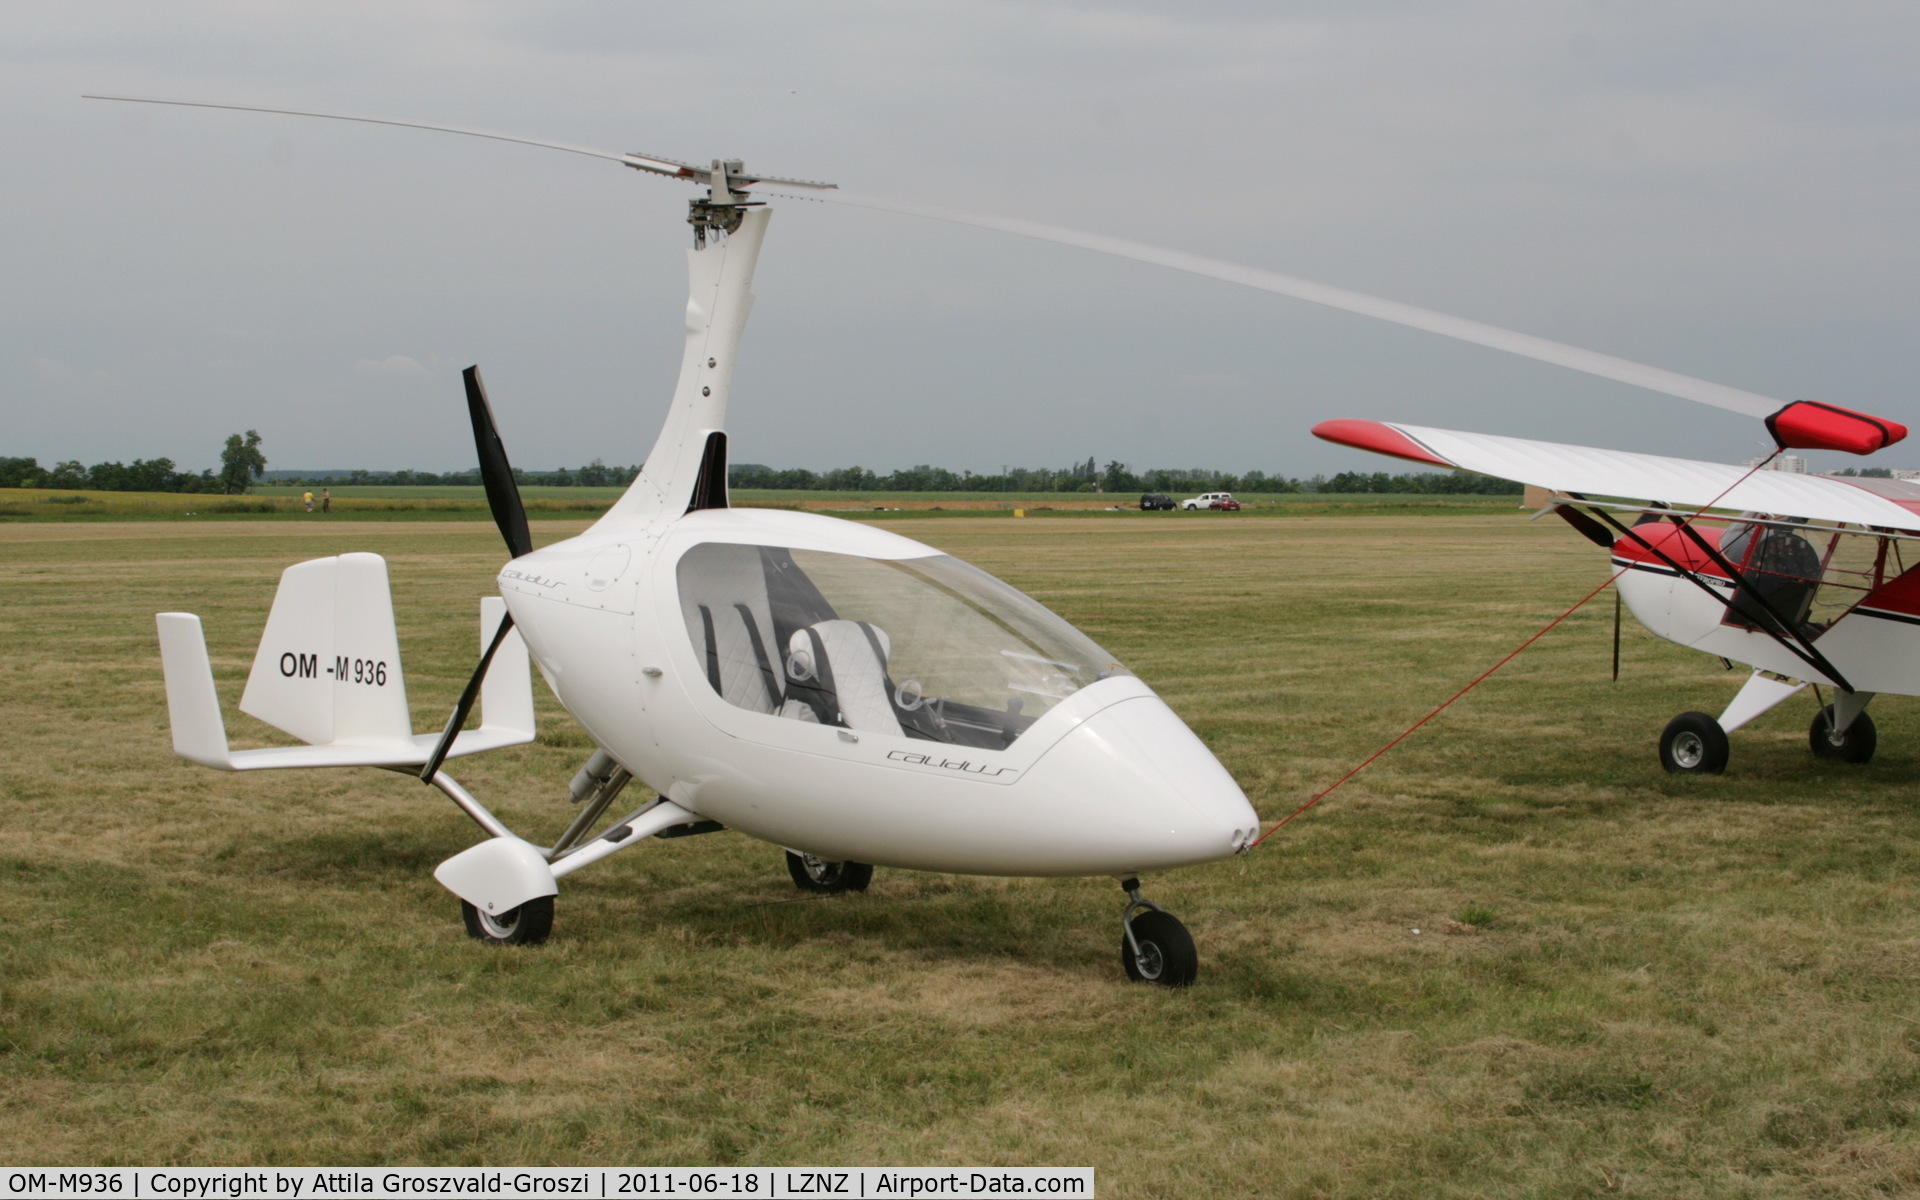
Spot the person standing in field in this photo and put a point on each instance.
(326, 500)
(307, 498)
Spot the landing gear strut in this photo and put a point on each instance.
(1156, 947)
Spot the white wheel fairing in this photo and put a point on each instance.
(498, 875)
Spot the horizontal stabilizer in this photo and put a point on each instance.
(307, 701)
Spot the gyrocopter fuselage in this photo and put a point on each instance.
(848, 694)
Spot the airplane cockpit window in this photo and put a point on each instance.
(927, 648)
(1780, 571)
(1809, 576)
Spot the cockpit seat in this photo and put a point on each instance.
(731, 624)
(1781, 574)
(840, 668)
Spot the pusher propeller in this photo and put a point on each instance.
(503, 497)
(503, 494)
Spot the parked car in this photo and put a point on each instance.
(1214, 500)
(1154, 500)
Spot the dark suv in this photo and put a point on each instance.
(1153, 500)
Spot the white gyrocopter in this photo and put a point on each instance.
(847, 694)
(838, 690)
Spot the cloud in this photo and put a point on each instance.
(1720, 188)
(58, 379)
(1213, 381)
(396, 365)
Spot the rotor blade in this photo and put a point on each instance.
(465, 705)
(642, 162)
(503, 494)
(663, 166)
(1591, 362)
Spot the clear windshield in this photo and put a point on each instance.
(927, 647)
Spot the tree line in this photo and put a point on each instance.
(594, 474)
(1116, 477)
(243, 464)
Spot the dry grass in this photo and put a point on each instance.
(1624, 983)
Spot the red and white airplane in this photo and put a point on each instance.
(1802, 577)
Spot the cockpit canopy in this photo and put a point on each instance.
(927, 647)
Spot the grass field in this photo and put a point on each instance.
(1621, 983)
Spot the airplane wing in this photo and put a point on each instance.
(1678, 482)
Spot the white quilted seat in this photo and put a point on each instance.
(731, 626)
(850, 657)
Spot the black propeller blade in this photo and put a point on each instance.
(465, 706)
(503, 497)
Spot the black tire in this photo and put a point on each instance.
(1694, 744)
(1166, 957)
(812, 874)
(1856, 745)
(527, 925)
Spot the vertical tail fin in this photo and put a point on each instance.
(328, 667)
(506, 695)
(193, 707)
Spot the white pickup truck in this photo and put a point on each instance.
(1211, 500)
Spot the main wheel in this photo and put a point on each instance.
(1166, 956)
(1856, 745)
(527, 925)
(1694, 744)
(812, 874)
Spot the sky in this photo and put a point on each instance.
(1726, 189)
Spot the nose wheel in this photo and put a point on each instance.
(1855, 745)
(1156, 948)
(527, 925)
(811, 874)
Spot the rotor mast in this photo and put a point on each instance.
(718, 213)
(687, 468)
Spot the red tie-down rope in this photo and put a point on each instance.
(1482, 676)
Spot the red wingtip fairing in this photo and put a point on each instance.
(1377, 437)
(1811, 425)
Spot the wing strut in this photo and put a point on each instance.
(1790, 641)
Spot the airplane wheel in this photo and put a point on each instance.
(1166, 956)
(527, 925)
(1694, 744)
(1856, 744)
(812, 874)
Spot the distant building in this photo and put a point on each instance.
(1792, 464)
